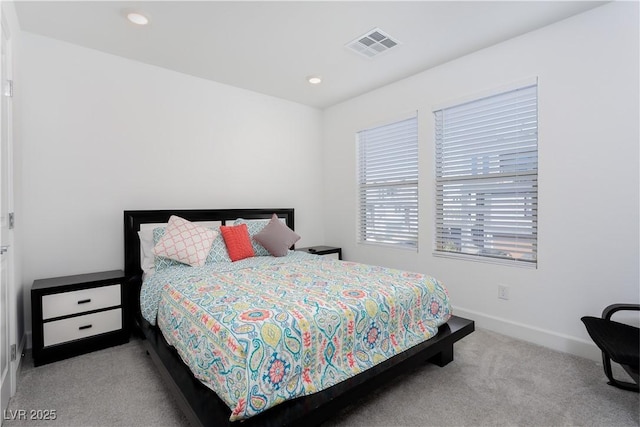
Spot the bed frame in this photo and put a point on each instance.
(201, 405)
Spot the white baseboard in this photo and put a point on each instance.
(17, 364)
(545, 338)
(22, 347)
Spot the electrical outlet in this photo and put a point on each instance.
(503, 292)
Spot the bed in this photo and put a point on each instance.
(253, 354)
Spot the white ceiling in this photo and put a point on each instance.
(270, 47)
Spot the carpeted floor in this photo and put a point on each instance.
(493, 381)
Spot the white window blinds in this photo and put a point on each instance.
(388, 184)
(487, 176)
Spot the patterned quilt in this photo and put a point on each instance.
(261, 334)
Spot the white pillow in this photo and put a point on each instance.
(147, 258)
(146, 251)
(185, 242)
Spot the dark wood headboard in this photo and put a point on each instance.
(133, 219)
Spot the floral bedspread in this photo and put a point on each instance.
(290, 327)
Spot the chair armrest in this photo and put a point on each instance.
(610, 310)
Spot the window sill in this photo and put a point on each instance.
(390, 246)
(487, 260)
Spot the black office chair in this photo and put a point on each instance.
(619, 342)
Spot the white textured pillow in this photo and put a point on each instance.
(185, 242)
(146, 251)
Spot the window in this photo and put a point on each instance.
(388, 184)
(487, 177)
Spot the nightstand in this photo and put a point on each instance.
(78, 314)
(328, 251)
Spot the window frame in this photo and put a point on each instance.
(403, 235)
(465, 181)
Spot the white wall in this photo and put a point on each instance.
(588, 176)
(102, 134)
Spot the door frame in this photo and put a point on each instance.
(9, 260)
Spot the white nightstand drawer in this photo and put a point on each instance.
(67, 303)
(78, 327)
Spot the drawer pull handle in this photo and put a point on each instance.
(84, 327)
(84, 301)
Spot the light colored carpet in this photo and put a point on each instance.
(118, 386)
(499, 381)
(493, 381)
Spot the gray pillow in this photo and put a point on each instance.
(276, 237)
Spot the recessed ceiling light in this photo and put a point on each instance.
(314, 80)
(137, 18)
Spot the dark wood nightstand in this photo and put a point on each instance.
(330, 251)
(78, 314)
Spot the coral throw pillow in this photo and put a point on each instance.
(185, 242)
(236, 237)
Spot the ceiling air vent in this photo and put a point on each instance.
(373, 43)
